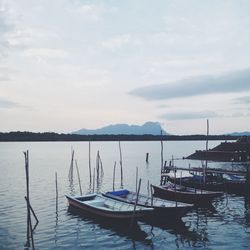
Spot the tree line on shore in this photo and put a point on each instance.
(51, 136)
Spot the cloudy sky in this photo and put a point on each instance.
(71, 64)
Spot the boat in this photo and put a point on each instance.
(175, 192)
(167, 208)
(105, 207)
(229, 183)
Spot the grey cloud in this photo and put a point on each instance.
(6, 104)
(189, 115)
(4, 74)
(4, 28)
(238, 81)
(244, 100)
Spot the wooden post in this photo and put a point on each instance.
(205, 171)
(100, 161)
(97, 165)
(29, 208)
(151, 192)
(79, 180)
(94, 180)
(121, 163)
(147, 157)
(33, 212)
(136, 179)
(89, 165)
(136, 201)
(114, 176)
(56, 193)
(161, 152)
(70, 175)
(26, 156)
(148, 187)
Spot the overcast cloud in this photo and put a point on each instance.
(79, 63)
(228, 83)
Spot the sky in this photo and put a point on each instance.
(72, 64)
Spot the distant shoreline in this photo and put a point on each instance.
(49, 136)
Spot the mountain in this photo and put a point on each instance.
(152, 128)
(240, 133)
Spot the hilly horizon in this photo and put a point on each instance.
(152, 128)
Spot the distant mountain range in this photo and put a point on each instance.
(240, 133)
(149, 128)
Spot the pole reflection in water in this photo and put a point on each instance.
(119, 228)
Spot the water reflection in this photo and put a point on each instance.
(247, 212)
(120, 228)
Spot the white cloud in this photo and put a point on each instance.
(91, 12)
(120, 41)
(45, 53)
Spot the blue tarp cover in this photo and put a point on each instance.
(119, 192)
(197, 178)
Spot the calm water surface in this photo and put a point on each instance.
(226, 225)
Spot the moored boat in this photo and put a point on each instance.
(214, 182)
(165, 208)
(106, 207)
(171, 191)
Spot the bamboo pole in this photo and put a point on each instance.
(29, 208)
(161, 152)
(205, 171)
(26, 156)
(94, 180)
(79, 180)
(70, 175)
(148, 187)
(136, 179)
(114, 176)
(151, 192)
(97, 165)
(120, 150)
(33, 212)
(136, 201)
(90, 177)
(100, 164)
(56, 193)
(147, 154)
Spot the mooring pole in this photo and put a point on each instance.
(89, 164)
(136, 201)
(120, 150)
(147, 154)
(78, 175)
(26, 155)
(56, 193)
(114, 176)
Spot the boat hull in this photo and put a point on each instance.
(198, 198)
(161, 208)
(122, 215)
(233, 187)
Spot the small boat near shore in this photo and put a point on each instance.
(163, 208)
(214, 182)
(171, 191)
(106, 207)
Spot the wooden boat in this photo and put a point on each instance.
(171, 191)
(107, 207)
(214, 182)
(166, 208)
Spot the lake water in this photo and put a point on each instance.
(224, 226)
